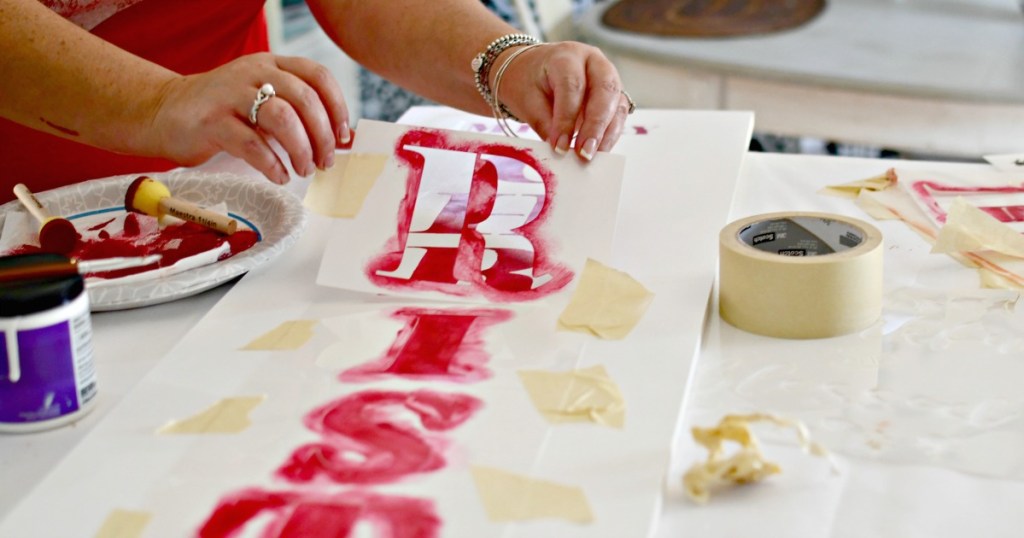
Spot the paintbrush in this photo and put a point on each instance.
(71, 266)
(56, 234)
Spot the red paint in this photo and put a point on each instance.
(60, 128)
(368, 437)
(173, 243)
(926, 190)
(435, 344)
(475, 262)
(58, 236)
(131, 225)
(639, 130)
(133, 189)
(304, 515)
(102, 225)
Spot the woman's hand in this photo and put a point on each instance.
(566, 88)
(203, 114)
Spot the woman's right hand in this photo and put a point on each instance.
(201, 115)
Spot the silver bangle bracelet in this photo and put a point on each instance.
(483, 62)
(502, 114)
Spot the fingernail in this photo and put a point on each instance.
(562, 146)
(344, 134)
(588, 149)
(329, 161)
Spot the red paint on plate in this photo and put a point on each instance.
(172, 242)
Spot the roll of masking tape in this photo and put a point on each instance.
(800, 275)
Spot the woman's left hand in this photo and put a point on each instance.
(564, 89)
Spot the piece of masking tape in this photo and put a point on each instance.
(289, 335)
(854, 189)
(607, 303)
(124, 524)
(800, 275)
(585, 395)
(339, 192)
(969, 229)
(513, 497)
(229, 415)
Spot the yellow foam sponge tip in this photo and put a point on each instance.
(144, 195)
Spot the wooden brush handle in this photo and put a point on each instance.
(31, 204)
(193, 213)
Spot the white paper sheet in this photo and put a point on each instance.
(181, 479)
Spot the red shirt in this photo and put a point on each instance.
(186, 36)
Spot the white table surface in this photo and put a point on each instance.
(900, 489)
(922, 409)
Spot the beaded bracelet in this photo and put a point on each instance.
(483, 62)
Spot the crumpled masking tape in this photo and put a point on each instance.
(512, 497)
(289, 335)
(229, 415)
(585, 395)
(124, 524)
(606, 303)
(800, 275)
(746, 465)
(339, 191)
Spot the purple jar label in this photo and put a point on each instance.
(57, 376)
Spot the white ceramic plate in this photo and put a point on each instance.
(274, 213)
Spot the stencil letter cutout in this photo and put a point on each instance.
(469, 220)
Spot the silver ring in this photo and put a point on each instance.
(632, 103)
(263, 95)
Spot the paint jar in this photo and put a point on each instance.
(47, 376)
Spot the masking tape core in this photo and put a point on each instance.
(800, 275)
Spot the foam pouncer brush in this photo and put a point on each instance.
(149, 196)
(57, 235)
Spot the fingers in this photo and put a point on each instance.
(587, 100)
(616, 126)
(279, 120)
(567, 79)
(242, 141)
(308, 115)
(320, 79)
(604, 95)
(201, 114)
